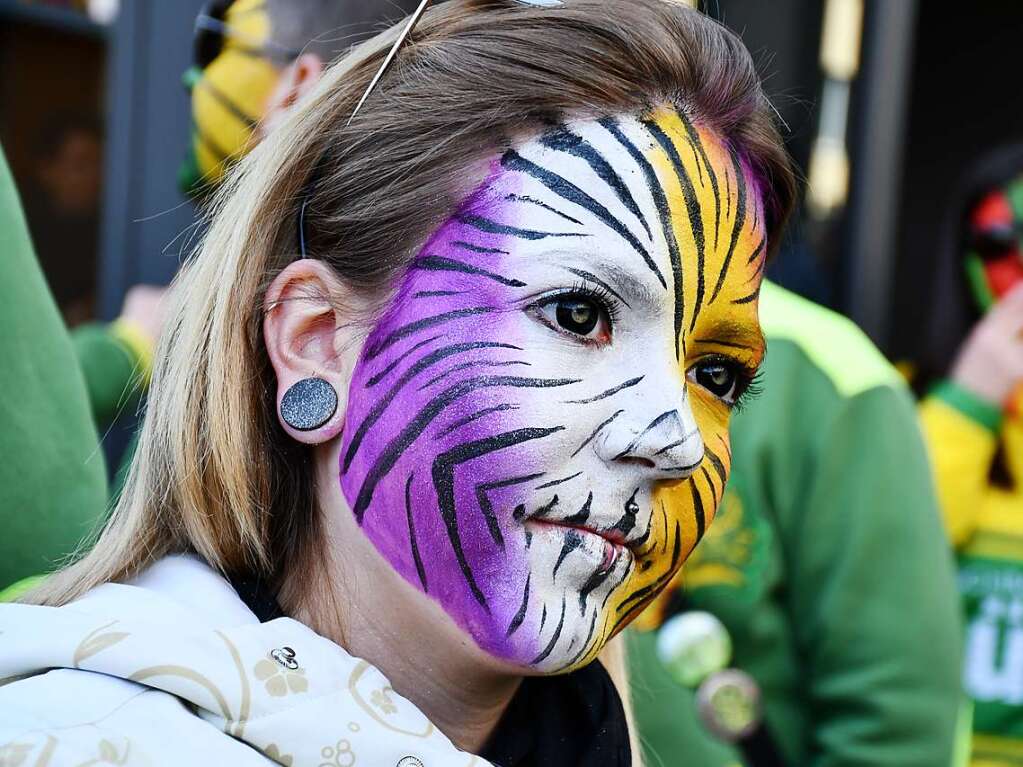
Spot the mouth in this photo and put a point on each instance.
(612, 542)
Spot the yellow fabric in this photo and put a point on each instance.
(961, 453)
(138, 343)
(981, 520)
(833, 342)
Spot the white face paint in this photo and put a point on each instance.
(537, 430)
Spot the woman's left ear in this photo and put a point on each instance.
(313, 349)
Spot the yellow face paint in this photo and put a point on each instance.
(230, 96)
(717, 218)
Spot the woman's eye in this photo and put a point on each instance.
(580, 316)
(719, 378)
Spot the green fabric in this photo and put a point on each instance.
(970, 405)
(832, 342)
(991, 590)
(109, 370)
(833, 578)
(52, 478)
(16, 590)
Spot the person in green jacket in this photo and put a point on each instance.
(826, 564)
(52, 474)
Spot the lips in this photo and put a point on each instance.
(614, 542)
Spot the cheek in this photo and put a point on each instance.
(446, 436)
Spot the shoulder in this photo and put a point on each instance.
(829, 342)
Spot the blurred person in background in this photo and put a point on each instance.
(62, 204)
(52, 476)
(826, 570)
(973, 421)
(253, 60)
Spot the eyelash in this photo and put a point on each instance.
(599, 295)
(752, 387)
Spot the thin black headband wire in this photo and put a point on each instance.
(405, 34)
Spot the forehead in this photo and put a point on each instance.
(658, 207)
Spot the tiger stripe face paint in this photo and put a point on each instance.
(536, 433)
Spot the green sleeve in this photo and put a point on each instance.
(872, 594)
(52, 477)
(110, 372)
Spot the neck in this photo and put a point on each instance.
(368, 609)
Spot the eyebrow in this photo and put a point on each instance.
(620, 283)
(734, 335)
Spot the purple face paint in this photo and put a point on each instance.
(500, 449)
(435, 420)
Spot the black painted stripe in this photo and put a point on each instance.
(444, 484)
(740, 220)
(595, 432)
(441, 264)
(439, 293)
(397, 446)
(476, 416)
(627, 523)
(473, 364)
(597, 281)
(701, 520)
(607, 393)
(651, 589)
(758, 249)
(586, 643)
(558, 482)
(521, 614)
(488, 508)
(541, 204)
(718, 465)
(492, 227)
(650, 427)
(572, 193)
(710, 484)
(573, 540)
(595, 581)
(728, 199)
(749, 298)
(427, 322)
(412, 535)
(554, 639)
(678, 442)
(694, 138)
(563, 140)
(720, 342)
(582, 515)
(543, 618)
(693, 210)
(660, 199)
(390, 368)
(437, 355)
(477, 248)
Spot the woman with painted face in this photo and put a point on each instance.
(427, 426)
(972, 422)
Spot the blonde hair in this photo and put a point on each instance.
(214, 472)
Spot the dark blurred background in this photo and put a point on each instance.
(94, 118)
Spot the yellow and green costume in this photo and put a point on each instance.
(826, 563)
(977, 451)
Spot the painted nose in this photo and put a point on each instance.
(668, 442)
